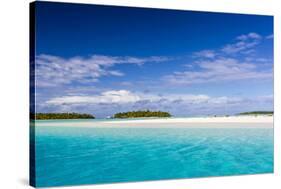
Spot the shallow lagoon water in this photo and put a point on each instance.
(84, 155)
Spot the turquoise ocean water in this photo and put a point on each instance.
(72, 156)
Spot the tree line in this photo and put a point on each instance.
(146, 113)
(131, 114)
(63, 116)
(257, 113)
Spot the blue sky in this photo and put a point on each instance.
(106, 59)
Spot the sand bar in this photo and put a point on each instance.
(206, 122)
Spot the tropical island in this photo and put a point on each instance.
(129, 114)
(255, 113)
(41, 116)
(140, 114)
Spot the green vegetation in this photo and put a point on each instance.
(63, 116)
(257, 113)
(147, 113)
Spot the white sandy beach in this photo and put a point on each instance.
(202, 122)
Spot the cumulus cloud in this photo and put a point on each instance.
(108, 97)
(122, 97)
(54, 70)
(112, 101)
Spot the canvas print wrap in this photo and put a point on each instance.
(123, 94)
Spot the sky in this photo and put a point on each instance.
(107, 59)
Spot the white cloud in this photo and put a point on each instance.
(271, 36)
(121, 97)
(243, 44)
(113, 101)
(108, 97)
(219, 70)
(222, 64)
(248, 36)
(205, 54)
(55, 70)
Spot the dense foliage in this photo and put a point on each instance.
(63, 116)
(147, 113)
(257, 113)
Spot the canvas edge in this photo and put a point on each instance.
(32, 166)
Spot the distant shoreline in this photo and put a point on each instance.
(200, 122)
